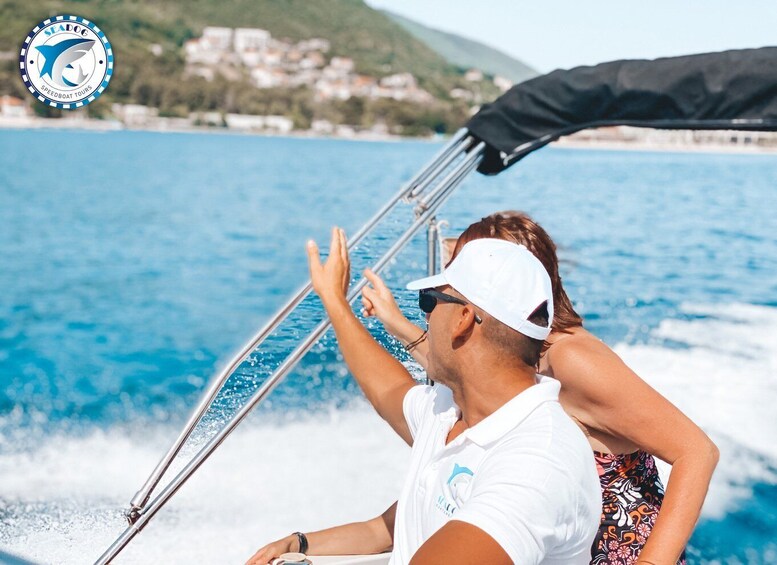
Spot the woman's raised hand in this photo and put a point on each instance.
(378, 301)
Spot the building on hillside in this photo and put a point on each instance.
(272, 56)
(502, 83)
(279, 124)
(473, 75)
(399, 80)
(461, 94)
(312, 60)
(294, 56)
(315, 44)
(247, 122)
(324, 127)
(219, 38)
(199, 52)
(251, 57)
(13, 107)
(327, 89)
(251, 38)
(268, 77)
(364, 86)
(134, 115)
(402, 86)
(342, 64)
(304, 77)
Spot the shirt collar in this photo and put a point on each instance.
(514, 411)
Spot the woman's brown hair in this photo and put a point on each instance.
(520, 228)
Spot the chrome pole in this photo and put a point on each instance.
(461, 169)
(432, 235)
(459, 140)
(456, 146)
(441, 166)
(145, 514)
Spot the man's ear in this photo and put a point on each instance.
(464, 326)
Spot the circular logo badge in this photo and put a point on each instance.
(66, 62)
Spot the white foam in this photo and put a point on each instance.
(64, 496)
(725, 380)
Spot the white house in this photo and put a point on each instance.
(251, 38)
(504, 84)
(219, 38)
(12, 107)
(473, 75)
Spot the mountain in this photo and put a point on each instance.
(150, 69)
(466, 53)
(355, 30)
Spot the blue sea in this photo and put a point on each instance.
(133, 265)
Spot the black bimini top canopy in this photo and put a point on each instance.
(728, 90)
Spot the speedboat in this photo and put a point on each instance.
(732, 90)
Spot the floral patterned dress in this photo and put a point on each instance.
(631, 498)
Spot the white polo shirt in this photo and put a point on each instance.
(525, 475)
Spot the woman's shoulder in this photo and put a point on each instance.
(573, 338)
(578, 348)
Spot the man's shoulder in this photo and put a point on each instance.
(438, 398)
(424, 403)
(550, 438)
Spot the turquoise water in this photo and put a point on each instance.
(134, 264)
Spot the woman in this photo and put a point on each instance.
(625, 420)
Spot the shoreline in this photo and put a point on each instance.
(668, 147)
(93, 125)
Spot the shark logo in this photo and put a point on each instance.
(66, 62)
(62, 56)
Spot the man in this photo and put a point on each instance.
(499, 473)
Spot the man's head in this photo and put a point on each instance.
(492, 302)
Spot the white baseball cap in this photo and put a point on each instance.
(503, 278)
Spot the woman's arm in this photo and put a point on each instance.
(378, 301)
(358, 538)
(606, 395)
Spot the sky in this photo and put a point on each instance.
(551, 34)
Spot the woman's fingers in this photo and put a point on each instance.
(368, 309)
(377, 299)
(379, 292)
(375, 280)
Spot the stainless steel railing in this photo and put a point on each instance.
(454, 162)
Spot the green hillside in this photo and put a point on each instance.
(354, 29)
(377, 44)
(466, 53)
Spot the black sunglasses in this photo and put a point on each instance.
(428, 297)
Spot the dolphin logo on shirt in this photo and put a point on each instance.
(457, 489)
(458, 470)
(61, 56)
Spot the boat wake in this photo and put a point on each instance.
(63, 495)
